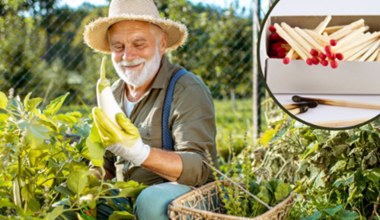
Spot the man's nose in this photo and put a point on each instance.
(128, 55)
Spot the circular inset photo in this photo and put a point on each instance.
(320, 60)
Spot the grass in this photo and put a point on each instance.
(234, 126)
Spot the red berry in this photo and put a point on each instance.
(339, 56)
(286, 60)
(333, 42)
(309, 61)
(324, 62)
(334, 64)
(272, 28)
(314, 52)
(322, 56)
(315, 60)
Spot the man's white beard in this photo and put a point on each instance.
(138, 78)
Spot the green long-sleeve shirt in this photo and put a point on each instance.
(192, 121)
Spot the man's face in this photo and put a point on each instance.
(137, 48)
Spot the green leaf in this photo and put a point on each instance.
(315, 216)
(3, 100)
(25, 194)
(130, 188)
(348, 215)
(36, 134)
(118, 215)
(332, 211)
(6, 203)
(122, 184)
(57, 211)
(373, 175)
(312, 147)
(282, 191)
(55, 105)
(77, 181)
(64, 190)
(31, 104)
(338, 166)
(95, 147)
(3, 115)
(34, 205)
(131, 192)
(66, 118)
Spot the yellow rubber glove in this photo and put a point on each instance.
(123, 141)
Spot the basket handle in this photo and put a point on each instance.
(238, 185)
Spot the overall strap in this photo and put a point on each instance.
(167, 140)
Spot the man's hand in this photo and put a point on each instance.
(125, 141)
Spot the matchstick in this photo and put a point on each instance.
(378, 56)
(322, 26)
(360, 52)
(308, 38)
(342, 31)
(357, 49)
(298, 110)
(353, 36)
(373, 56)
(341, 123)
(332, 29)
(336, 102)
(370, 51)
(296, 37)
(322, 39)
(291, 42)
(360, 41)
(297, 105)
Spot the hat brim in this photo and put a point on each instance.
(95, 33)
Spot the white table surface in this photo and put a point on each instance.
(328, 116)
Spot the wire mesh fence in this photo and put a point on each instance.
(42, 50)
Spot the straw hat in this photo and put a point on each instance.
(95, 34)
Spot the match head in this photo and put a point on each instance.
(312, 104)
(334, 64)
(286, 60)
(315, 60)
(272, 29)
(333, 42)
(328, 49)
(314, 52)
(304, 108)
(324, 62)
(274, 37)
(297, 98)
(339, 56)
(309, 61)
(322, 56)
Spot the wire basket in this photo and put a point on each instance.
(205, 203)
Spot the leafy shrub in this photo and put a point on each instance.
(335, 173)
(44, 159)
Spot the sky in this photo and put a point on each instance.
(221, 3)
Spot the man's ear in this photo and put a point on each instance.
(163, 43)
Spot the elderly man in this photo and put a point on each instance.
(137, 38)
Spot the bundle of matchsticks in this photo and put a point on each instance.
(325, 45)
